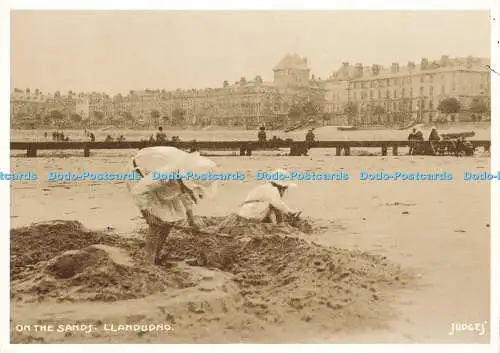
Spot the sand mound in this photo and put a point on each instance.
(235, 225)
(62, 260)
(278, 275)
(42, 241)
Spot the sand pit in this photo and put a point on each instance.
(62, 260)
(279, 277)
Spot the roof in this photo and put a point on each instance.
(292, 61)
(434, 66)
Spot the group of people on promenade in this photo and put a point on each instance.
(164, 202)
(437, 144)
(110, 138)
(161, 136)
(263, 141)
(57, 136)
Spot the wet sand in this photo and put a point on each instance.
(437, 229)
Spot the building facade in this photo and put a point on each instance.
(242, 103)
(406, 93)
(380, 95)
(27, 106)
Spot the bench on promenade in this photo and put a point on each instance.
(297, 148)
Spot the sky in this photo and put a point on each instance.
(115, 52)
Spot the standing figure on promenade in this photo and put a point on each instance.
(261, 136)
(310, 139)
(434, 140)
(160, 135)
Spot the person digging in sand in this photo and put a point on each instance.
(265, 202)
(163, 201)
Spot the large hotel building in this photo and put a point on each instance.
(406, 93)
(381, 96)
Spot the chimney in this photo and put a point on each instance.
(411, 65)
(445, 60)
(375, 69)
(358, 70)
(424, 64)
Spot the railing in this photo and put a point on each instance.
(245, 147)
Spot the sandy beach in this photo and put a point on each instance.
(435, 233)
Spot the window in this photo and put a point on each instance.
(421, 91)
(394, 106)
(388, 94)
(421, 78)
(443, 90)
(402, 92)
(388, 82)
(395, 94)
(371, 94)
(431, 91)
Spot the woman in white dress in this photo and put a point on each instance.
(163, 202)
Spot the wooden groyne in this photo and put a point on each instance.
(297, 148)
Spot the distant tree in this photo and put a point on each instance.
(155, 115)
(46, 120)
(351, 109)
(295, 111)
(449, 106)
(225, 83)
(325, 118)
(98, 117)
(378, 112)
(127, 116)
(76, 118)
(56, 115)
(258, 79)
(117, 121)
(311, 109)
(243, 81)
(165, 119)
(178, 116)
(480, 105)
